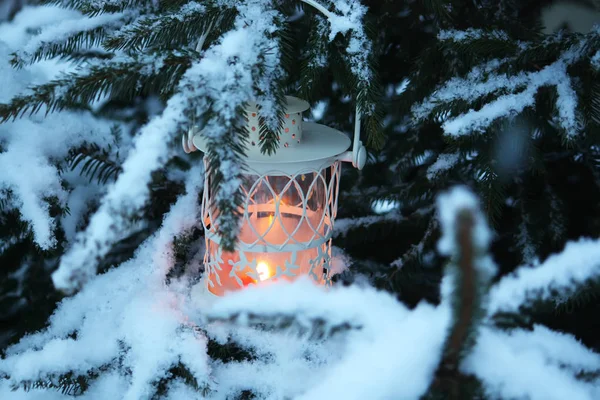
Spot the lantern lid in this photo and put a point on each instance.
(293, 105)
(319, 144)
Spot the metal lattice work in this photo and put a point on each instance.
(287, 223)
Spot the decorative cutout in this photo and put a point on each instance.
(287, 223)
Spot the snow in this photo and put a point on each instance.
(17, 33)
(578, 262)
(125, 308)
(385, 206)
(515, 94)
(386, 350)
(470, 34)
(372, 360)
(131, 326)
(342, 226)
(59, 32)
(128, 194)
(28, 162)
(516, 366)
(443, 163)
(452, 204)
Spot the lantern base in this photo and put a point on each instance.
(231, 271)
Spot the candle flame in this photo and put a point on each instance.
(262, 269)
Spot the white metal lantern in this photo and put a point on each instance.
(290, 200)
(290, 203)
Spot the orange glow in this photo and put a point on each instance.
(264, 273)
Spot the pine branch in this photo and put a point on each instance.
(96, 163)
(95, 8)
(63, 49)
(313, 329)
(179, 371)
(179, 29)
(122, 80)
(314, 64)
(470, 270)
(68, 384)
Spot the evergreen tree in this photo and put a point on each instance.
(452, 92)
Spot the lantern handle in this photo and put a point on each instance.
(358, 155)
(319, 7)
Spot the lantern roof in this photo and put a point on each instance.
(320, 145)
(302, 144)
(293, 105)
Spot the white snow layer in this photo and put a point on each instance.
(223, 80)
(33, 145)
(130, 322)
(519, 89)
(135, 327)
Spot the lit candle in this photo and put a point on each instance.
(262, 268)
(264, 228)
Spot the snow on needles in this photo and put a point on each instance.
(221, 80)
(125, 312)
(515, 92)
(61, 31)
(578, 262)
(359, 47)
(132, 328)
(391, 341)
(452, 204)
(30, 173)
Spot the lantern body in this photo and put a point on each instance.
(289, 207)
(286, 228)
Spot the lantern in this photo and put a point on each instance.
(290, 203)
(290, 200)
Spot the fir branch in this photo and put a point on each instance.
(467, 302)
(492, 192)
(96, 163)
(440, 9)
(416, 250)
(224, 131)
(63, 49)
(586, 294)
(313, 329)
(467, 294)
(122, 80)
(178, 29)
(314, 63)
(95, 8)
(68, 384)
(182, 372)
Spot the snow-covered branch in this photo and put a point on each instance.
(514, 93)
(560, 274)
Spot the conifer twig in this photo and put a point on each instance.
(465, 239)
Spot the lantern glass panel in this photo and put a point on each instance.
(285, 231)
